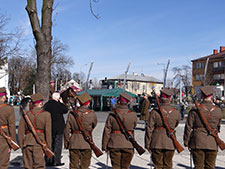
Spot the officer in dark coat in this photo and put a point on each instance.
(202, 145)
(7, 124)
(56, 109)
(156, 137)
(120, 149)
(79, 149)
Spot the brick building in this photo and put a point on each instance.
(209, 70)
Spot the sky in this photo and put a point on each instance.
(144, 33)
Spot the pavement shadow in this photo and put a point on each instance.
(139, 128)
(188, 167)
(184, 166)
(16, 162)
(102, 165)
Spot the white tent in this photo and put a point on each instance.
(71, 83)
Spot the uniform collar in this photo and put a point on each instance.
(122, 106)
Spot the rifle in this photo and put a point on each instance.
(129, 137)
(47, 151)
(170, 131)
(9, 140)
(211, 131)
(86, 135)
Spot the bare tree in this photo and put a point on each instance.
(20, 70)
(94, 83)
(9, 41)
(182, 75)
(60, 61)
(42, 32)
(80, 78)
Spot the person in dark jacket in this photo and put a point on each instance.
(56, 109)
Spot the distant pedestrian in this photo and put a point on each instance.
(183, 107)
(7, 125)
(201, 144)
(145, 109)
(56, 109)
(113, 102)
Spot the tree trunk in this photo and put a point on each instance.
(43, 36)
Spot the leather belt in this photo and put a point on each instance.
(4, 127)
(77, 132)
(118, 131)
(160, 128)
(37, 130)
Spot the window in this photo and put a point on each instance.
(198, 76)
(218, 64)
(199, 65)
(218, 76)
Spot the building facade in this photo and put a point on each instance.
(137, 84)
(209, 70)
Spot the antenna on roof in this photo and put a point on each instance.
(125, 77)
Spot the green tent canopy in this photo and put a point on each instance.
(106, 93)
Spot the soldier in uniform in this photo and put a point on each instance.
(202, 145)
(7, 124)
(157, 139)
(33, 154)
(79, 149)
(145, 109)
(120, 149)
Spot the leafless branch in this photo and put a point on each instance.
(91, 9)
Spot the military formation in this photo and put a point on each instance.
(118, 138)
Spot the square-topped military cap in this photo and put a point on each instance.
(207, 90)
(126, 96)
(2, 91)
(167, 91)
(36, 97)
(84, 97)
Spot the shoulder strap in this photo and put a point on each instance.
(2, 105)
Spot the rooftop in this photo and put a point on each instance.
(136, 77)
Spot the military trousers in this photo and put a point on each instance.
(80, 158)
(5, 155)
(162, 159)
(203, 158)
(121, 158)
(33, 157)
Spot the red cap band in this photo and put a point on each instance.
(39, 101)
(86, 103)
(164, 95)
(123, 100)
(2, 94)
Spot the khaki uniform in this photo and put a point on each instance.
(156, 137)
(121, 150)
(80, 150)
(145, 110)
(7, 123)
(203, 146)
(32, 152)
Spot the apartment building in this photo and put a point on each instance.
(209, 70)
